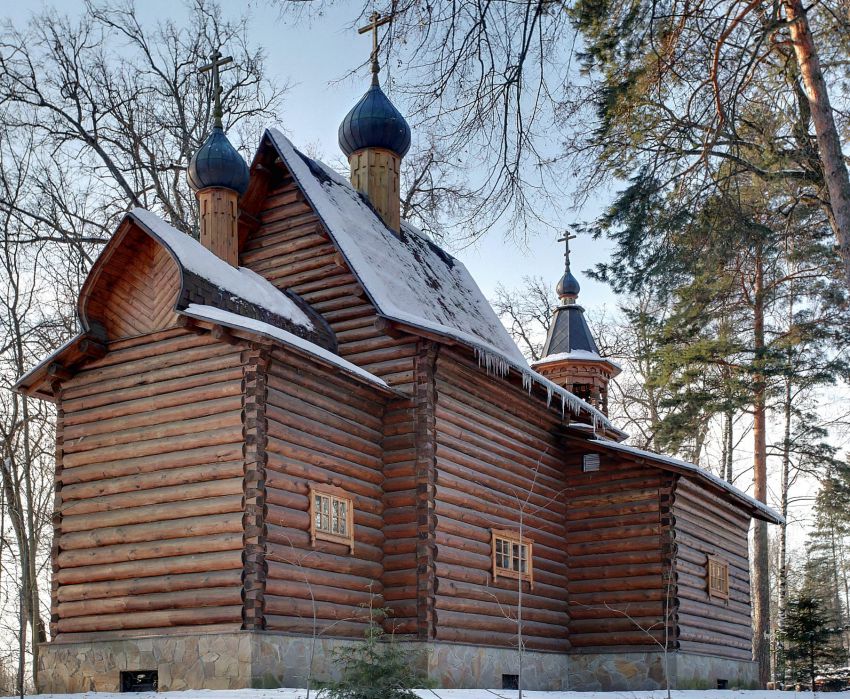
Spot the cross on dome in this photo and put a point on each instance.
(216, 61)
(375, 21)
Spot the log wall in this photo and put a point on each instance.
(706, 526)
(322, 428)
(149, 501)
(618, 542)
(291, 249)
(495, 447)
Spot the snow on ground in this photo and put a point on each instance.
(464, 694)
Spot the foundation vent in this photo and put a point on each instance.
(139, 680)
(510, 681)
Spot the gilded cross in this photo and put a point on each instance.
(375, 21)
(216, 61)
(566, 240)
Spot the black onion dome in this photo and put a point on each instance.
(218, 164)
(374, 122)
(568, 287)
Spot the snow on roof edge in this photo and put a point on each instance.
(234, 320)
(47, 360)
(768, 511)
(239, 281)
(301, 171)
(579, 355)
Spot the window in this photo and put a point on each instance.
(512, 559)
(582, 390)
(331, 515)
(718, 578)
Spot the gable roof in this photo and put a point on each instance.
(250, 302)
(411, 280)
(754, 507)
(408, 278)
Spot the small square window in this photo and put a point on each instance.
(512, 558)
(718, 578)
(331, 515)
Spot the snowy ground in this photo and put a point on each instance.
(464, 694)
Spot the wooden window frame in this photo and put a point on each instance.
(717, 563)
(333, 494)
(513, 539)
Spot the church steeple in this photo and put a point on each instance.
(375, 137)
(570, 356)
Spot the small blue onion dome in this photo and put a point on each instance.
(568, 287)
(218, 164)
(374, 122)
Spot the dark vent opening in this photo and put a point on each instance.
(722, 684)
(139, 680)
(510, 681)
(590, 463)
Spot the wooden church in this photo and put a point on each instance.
(313, 408)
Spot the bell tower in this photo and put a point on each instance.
(570, 357)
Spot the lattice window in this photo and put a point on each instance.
(718, 578)
(583, 391)
(512, 559)
(331, 515)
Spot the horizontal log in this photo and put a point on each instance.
(319, 559)
(137, 398)
(630, 638)
(143, 586)
(306, 608)
(156, 479)
(496, 609)
(217, 452)
(307, 449)
(121, 553)
(153, 496)
(158, 531)
(152, 513)
(146, 620)
(323, 628)
(499, 640)
(123, 634)
(617, 624)
(188, 599)
(483, 622)
(195, 563)
(555, 601)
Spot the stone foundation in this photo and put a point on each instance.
(265, 659)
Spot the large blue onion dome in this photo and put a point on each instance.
(374, 122)
(218, 164)
(568, 287)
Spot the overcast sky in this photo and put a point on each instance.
(314, 59)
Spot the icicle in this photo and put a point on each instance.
(548, 395)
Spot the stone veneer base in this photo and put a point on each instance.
(242, 659)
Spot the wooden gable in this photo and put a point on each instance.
(283, 239)
(134, 289)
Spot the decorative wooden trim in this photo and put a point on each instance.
(334, 493)
(512, 538)
(717, 569)
(255, 362)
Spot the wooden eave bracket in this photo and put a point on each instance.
(396, 330)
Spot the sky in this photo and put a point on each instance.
(314, 59)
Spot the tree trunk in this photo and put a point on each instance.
(829, 144)
(783, 535)
(761, 584)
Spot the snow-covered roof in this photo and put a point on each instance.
(411, 280)
(236, 321)
(241, 282)
(577, 355)
(758, 508)
(408, 278)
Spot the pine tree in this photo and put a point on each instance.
(810, 639)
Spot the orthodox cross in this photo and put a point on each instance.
(216, 61)
(566, 240)
(375, 21)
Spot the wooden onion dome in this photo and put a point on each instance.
(570, 356)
